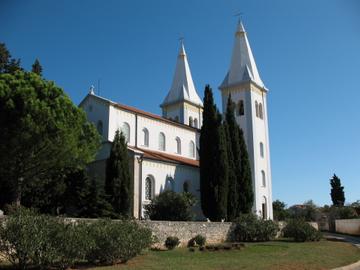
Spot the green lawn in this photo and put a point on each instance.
(269, 255)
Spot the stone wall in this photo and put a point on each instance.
(348, 226)
(215, 232)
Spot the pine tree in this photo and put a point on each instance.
(118, 184)
(245, 188)
(37, 68)
(213, 161)
(8, 64)
(337, 191)
(232, 130)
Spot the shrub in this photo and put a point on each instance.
(301, 231)
(171, 242)
(116, 241)
(27, 238)
(250, 228)
(170, 205)
(191, 242)
(200, 240)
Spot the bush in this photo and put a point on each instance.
(301, 231)
(200, 240)
(250, 228)
(27, 238)
(170, 205)
(116, 241)
(171, 242)
(24, 239)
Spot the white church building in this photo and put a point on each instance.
(164, 149)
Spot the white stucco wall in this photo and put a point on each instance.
(154, 126)
(97, 110)
(348, 226)
(160, 172)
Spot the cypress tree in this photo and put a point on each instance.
(234, 156)
(118, 184)
(213, 161)
(221, 175)
(245, 188)
(37, 68)
(337, 191)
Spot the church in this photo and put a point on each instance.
(163, 149)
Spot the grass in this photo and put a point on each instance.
(269, 255)
(278, 255)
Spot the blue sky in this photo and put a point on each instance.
(307, 53)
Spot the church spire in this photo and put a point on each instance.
(243, 67)
(182, 88)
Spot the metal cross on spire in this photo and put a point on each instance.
(239, 14)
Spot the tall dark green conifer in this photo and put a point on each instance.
(246, 193)
(118, 184)
(213, 161)
(337, 191)
(37, 68)
(234, 156)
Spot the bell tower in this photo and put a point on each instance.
(182, 103)
(249, 93)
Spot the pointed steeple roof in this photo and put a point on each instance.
(182, 87)
(243, 67)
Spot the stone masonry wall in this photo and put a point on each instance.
(215, 232)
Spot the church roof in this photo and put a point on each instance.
(161, 156)
(182, 88)
(243, 67)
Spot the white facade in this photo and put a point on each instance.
(247, 90)
(164, 149)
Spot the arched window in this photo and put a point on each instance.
(99, 127)
(261, 111)
(177, 118)
(178, 145)
(261, 149)
(126, 131)
(257, 109)
(149, 188)
(170, 184)
(263, 178)
(146, 137)
(264, 208)
(196, 124)
(186, 186)
(192, 149)
(162, 142)
(191, 121)
(240, 110)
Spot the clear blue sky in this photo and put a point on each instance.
(307, 52)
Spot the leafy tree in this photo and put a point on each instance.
(37, 68)
(118, 184)
(8, 64)
(246, 193)
(234, 156)
(279, 209)
(170, 205)
(42, 132)
(213, 161)
(337, 191)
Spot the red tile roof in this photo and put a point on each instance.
(161, 156)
